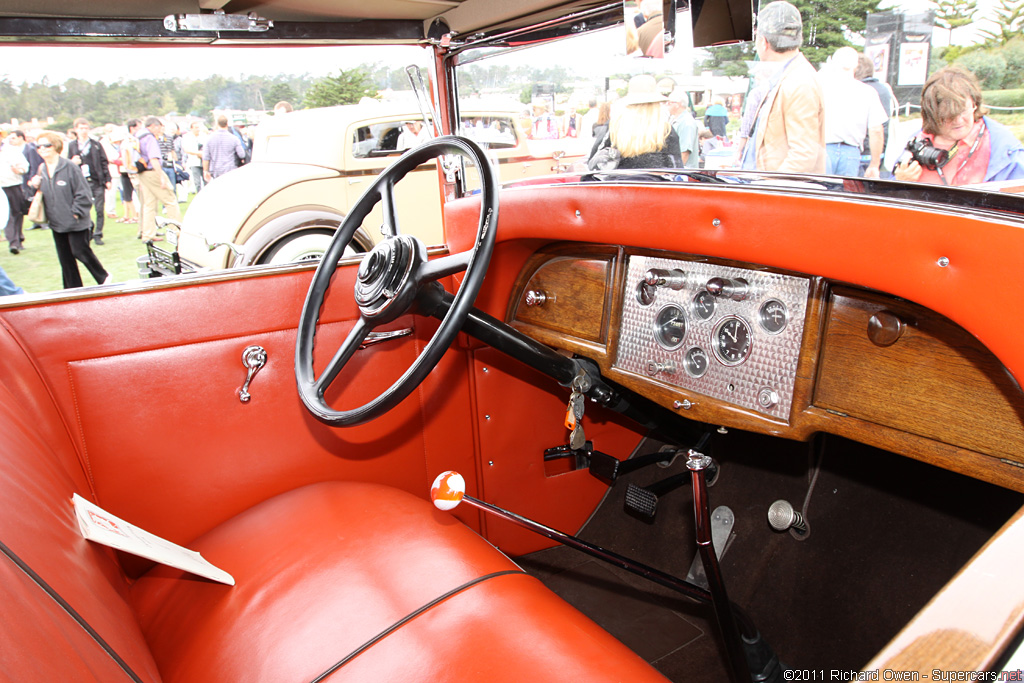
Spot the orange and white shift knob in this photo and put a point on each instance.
(447, 490)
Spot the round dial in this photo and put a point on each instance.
(731, 340)
(773, 316)
(695, 362)
(704, 304)
(670, 327)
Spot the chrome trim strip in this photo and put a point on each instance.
(374, 338)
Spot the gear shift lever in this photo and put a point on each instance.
(449, 490)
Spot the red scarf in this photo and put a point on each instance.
(968, 160)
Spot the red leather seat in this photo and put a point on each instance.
(365, 582)
(336, 580)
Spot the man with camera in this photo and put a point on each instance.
(958, 144)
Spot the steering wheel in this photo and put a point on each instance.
(390, 279)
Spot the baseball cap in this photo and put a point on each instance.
(781, 21)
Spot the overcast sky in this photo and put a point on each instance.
(110, 64)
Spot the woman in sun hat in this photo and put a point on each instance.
(640, 128)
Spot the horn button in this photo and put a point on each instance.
(384, 283)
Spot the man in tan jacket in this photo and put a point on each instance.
(790, 129)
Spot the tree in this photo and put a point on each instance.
(730, 60)
(988, 67)
(279, 92)
(345, 88)
(952, 14)
(1009, 22)
(828, 24)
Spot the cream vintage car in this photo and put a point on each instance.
(309, 166)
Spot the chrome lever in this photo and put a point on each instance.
(378, 337)
(253, 359)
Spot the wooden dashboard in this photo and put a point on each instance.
(871, 367)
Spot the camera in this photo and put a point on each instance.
(927, 155)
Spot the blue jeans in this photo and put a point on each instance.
(843, 159)
(169, 172)
(7, 286)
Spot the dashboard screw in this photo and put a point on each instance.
(578, 214)
(716, 222)
(943, 262)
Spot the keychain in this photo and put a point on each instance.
(574, 413)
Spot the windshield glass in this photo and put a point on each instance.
(908, 91)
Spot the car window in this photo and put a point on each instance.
(495, 132)
(388, 139)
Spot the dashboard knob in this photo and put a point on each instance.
(885, 328)
(726, 288)
(659, 277)
(767, 397)
(536, 297)
(654, 368)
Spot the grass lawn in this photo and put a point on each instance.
(36, 269)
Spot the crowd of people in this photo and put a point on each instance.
(83, 178)
(799, 119)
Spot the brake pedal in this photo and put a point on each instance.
(642, 502)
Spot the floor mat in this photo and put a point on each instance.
(886, 533)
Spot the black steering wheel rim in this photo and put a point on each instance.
(416, 274)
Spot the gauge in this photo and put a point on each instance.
(704, 304)
(670, 327)
(731, 340)
(645, 293)
(695, 362)
(773, 316)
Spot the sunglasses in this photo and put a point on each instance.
(44, 145)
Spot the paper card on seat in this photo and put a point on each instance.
(102, 527)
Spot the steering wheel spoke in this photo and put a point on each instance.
(390, 227)
(444, 266)
(356, 336)
(388, 282)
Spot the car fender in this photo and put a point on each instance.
(224, 207)
(280, 227)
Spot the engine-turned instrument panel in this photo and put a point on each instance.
(730, 333)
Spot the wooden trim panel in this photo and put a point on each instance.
(935, 380)
(576, 289)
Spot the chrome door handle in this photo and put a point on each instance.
(253, 359)
(378, 337)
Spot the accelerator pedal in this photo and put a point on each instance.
(722, 523)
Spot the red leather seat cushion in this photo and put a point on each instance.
(509, 629)
(325, 569)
